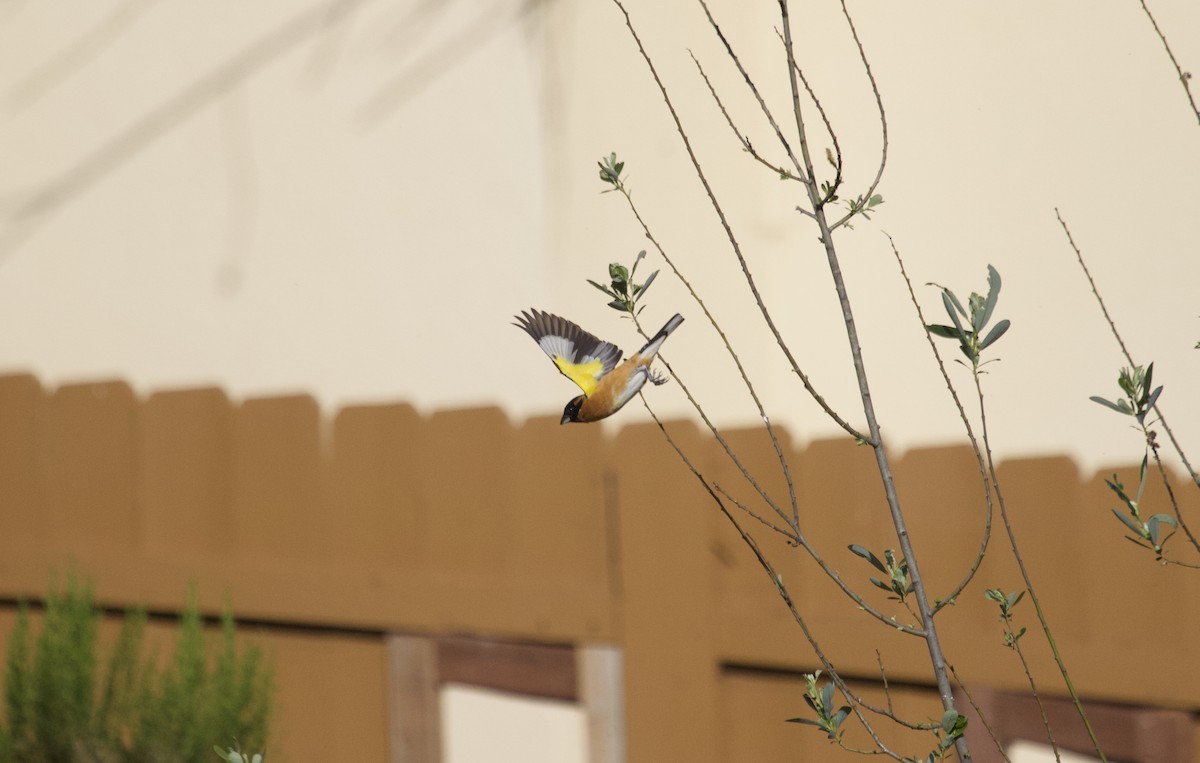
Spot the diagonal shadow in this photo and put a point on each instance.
(61, 66)
(426, 70)
(28, 213)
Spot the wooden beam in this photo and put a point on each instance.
(414, 718)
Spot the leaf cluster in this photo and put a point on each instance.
(1007, 603)
(1139, 400)
(610, 172)
(896, 568)
(948, 731)
(968, 323)
(1149, 532)
(863, 205)
(819, 698)
(622, 287)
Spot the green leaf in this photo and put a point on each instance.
(648, 281)
(948, 332)
(1109, 404)
(604, 289)
(879, 583)
(858, 550)
(840, 715)
(954, 300)
(827, 696)
(808, 721)
(1141, 480)
(951, 303)
(992, 296)
(1115, 485)
(1153, 398)
(949, 719)
(640, 256)
(996, 332)
(1152, 530)
(1132, 525)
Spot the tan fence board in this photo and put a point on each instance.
(185, 479)
(22, 409)
(88, 469)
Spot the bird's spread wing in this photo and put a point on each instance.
(581, 357)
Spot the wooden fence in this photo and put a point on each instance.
(332, 533)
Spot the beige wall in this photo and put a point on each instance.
(351, 198)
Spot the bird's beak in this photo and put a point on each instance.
(565, 420)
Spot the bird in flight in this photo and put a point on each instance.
(593, 364)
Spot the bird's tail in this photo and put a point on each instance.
(651, 348)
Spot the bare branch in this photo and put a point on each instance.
(742, 139)
(737, 249)
(804, 177)
(1184, 77)
(962, 415)
(1162, 419)
(862, 54)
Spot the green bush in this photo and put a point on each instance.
(61, 708)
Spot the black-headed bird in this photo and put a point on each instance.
(593, 364)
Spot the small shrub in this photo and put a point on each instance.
(62, 709)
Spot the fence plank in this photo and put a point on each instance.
(670, 650)
(22, 409)
(278, 483)
(87, 467)
(185, 483)
(377, 489)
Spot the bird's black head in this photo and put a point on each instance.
(571, 412)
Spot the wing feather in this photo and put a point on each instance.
(581, 357)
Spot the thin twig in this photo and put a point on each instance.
(794, 521)
(785, 533)
(805, 177)
(1183, 76)
(1124, 350)
(890, 711)
(737, 249)
(744, 141)
(966, 420)
(1162, 471)
(797, 536)
(777, 581)
(1033, 597)
(1016, 647)
(979, 713)
(837, 148)
(862, 54)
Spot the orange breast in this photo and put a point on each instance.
(603, 402)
